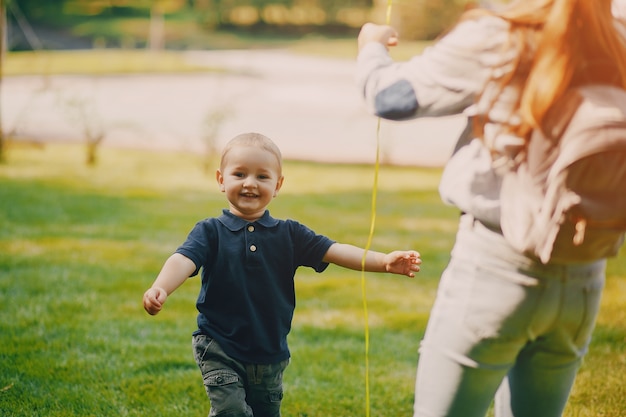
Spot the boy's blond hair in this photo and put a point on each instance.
(253, 139)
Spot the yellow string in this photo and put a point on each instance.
(388, 16)
(363, 286)
(367, 248)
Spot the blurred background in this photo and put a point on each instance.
(190, 74)
(192, 24)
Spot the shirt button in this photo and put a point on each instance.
(250, 228)
(252, 248)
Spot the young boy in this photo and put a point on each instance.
(247, 297)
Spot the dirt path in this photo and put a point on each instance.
(309, 106)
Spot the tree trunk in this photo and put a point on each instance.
(157, 28)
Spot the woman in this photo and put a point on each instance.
(503, 324)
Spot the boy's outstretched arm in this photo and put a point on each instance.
(396, 262)
(175, 271)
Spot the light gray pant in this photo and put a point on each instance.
(503, 320)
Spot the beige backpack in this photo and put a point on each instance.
(565, 200)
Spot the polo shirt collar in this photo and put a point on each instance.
(234, 223)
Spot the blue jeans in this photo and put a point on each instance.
(238, 389)
(504, 323)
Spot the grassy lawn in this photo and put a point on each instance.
(79, 245)
(97, 62)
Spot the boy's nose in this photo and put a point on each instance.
(249, 182)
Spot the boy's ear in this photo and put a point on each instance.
(278, 185)
(220, 180)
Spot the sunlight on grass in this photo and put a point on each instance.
(99, 249)
(122, 169)
(103, 61)
(118, 170)
(615, 300)
(334, 300)
(357, 177)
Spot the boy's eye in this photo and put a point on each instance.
(263, 177)
(239, 174)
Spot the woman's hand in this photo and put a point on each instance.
(383, 34)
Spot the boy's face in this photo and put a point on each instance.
(250, 177)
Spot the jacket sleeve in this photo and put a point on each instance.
(444, 80)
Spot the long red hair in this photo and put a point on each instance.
(561, 44)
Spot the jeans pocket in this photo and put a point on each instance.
(589, 307)
(501, 304)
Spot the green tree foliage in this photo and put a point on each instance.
(37, 11)
(417, 19)
(282, 13)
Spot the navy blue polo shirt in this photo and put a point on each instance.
(247, 297)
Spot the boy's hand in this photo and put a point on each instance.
(153, 300)
(403, 262)
(383, 34)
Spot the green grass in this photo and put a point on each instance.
(79, 245)
(97, 62)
